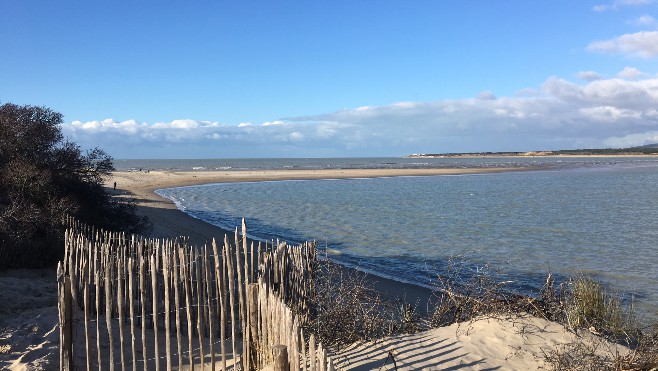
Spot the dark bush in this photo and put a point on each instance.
(43, 179)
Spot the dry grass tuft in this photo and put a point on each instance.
(583, 355)
(461, 299)
(346, 309)
(5, 349)
(581, 303)
(645, 355)
(589, 305)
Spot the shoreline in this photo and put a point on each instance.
(141, 186)
(539, 154)
(170, 222)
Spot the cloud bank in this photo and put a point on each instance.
(560, 114)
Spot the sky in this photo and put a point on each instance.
(339, 78)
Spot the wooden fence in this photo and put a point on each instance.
(131, 302)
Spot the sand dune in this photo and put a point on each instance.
(506, 343)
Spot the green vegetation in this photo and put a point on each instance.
(590, 305)
(586, 304)
(45, 178)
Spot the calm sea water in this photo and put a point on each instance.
(593, 215)
(358, 163)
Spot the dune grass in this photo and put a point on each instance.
(589, 305)
(346, 309)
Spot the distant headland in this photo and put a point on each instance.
(647, 150)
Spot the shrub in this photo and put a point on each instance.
(464, 293)
(45, 178)
(347, 309)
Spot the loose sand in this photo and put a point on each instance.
(505, 343)
(29, 334)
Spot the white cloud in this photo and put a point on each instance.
(588, 75)
(645, 21)
(642, 44)
(630, 73)
(575, 113)
(486, 95)
(621, 3)
(273, 123)
(404, 105)
(559, 114)
(633, 2)
(609, 114)
(601, 7)
(296, 135)
(185, 124)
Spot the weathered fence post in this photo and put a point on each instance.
(240, 286)
(280, 353)
(252, 302)
(185, 262)
(211, 312)
(176, 269)
(120, 297)
(312, 354)
(154, 289)
(65, 319)
(167, 311)
(200, 316)
(131, 308)
(108, 307)
(231, 294)
(219, 283)
(97, 285)
(142, 293)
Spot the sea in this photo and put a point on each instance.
(564, 215)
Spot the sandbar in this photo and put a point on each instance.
(169, 222)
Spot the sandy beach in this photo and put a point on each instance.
(29, 334)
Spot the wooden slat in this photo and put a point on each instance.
(119, 270)
(154, 292)
(142, 293)
(176, 284)
(188, 305)
(131, 309)
(219, 283)
(199, 303)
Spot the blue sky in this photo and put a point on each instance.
(336, 78)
